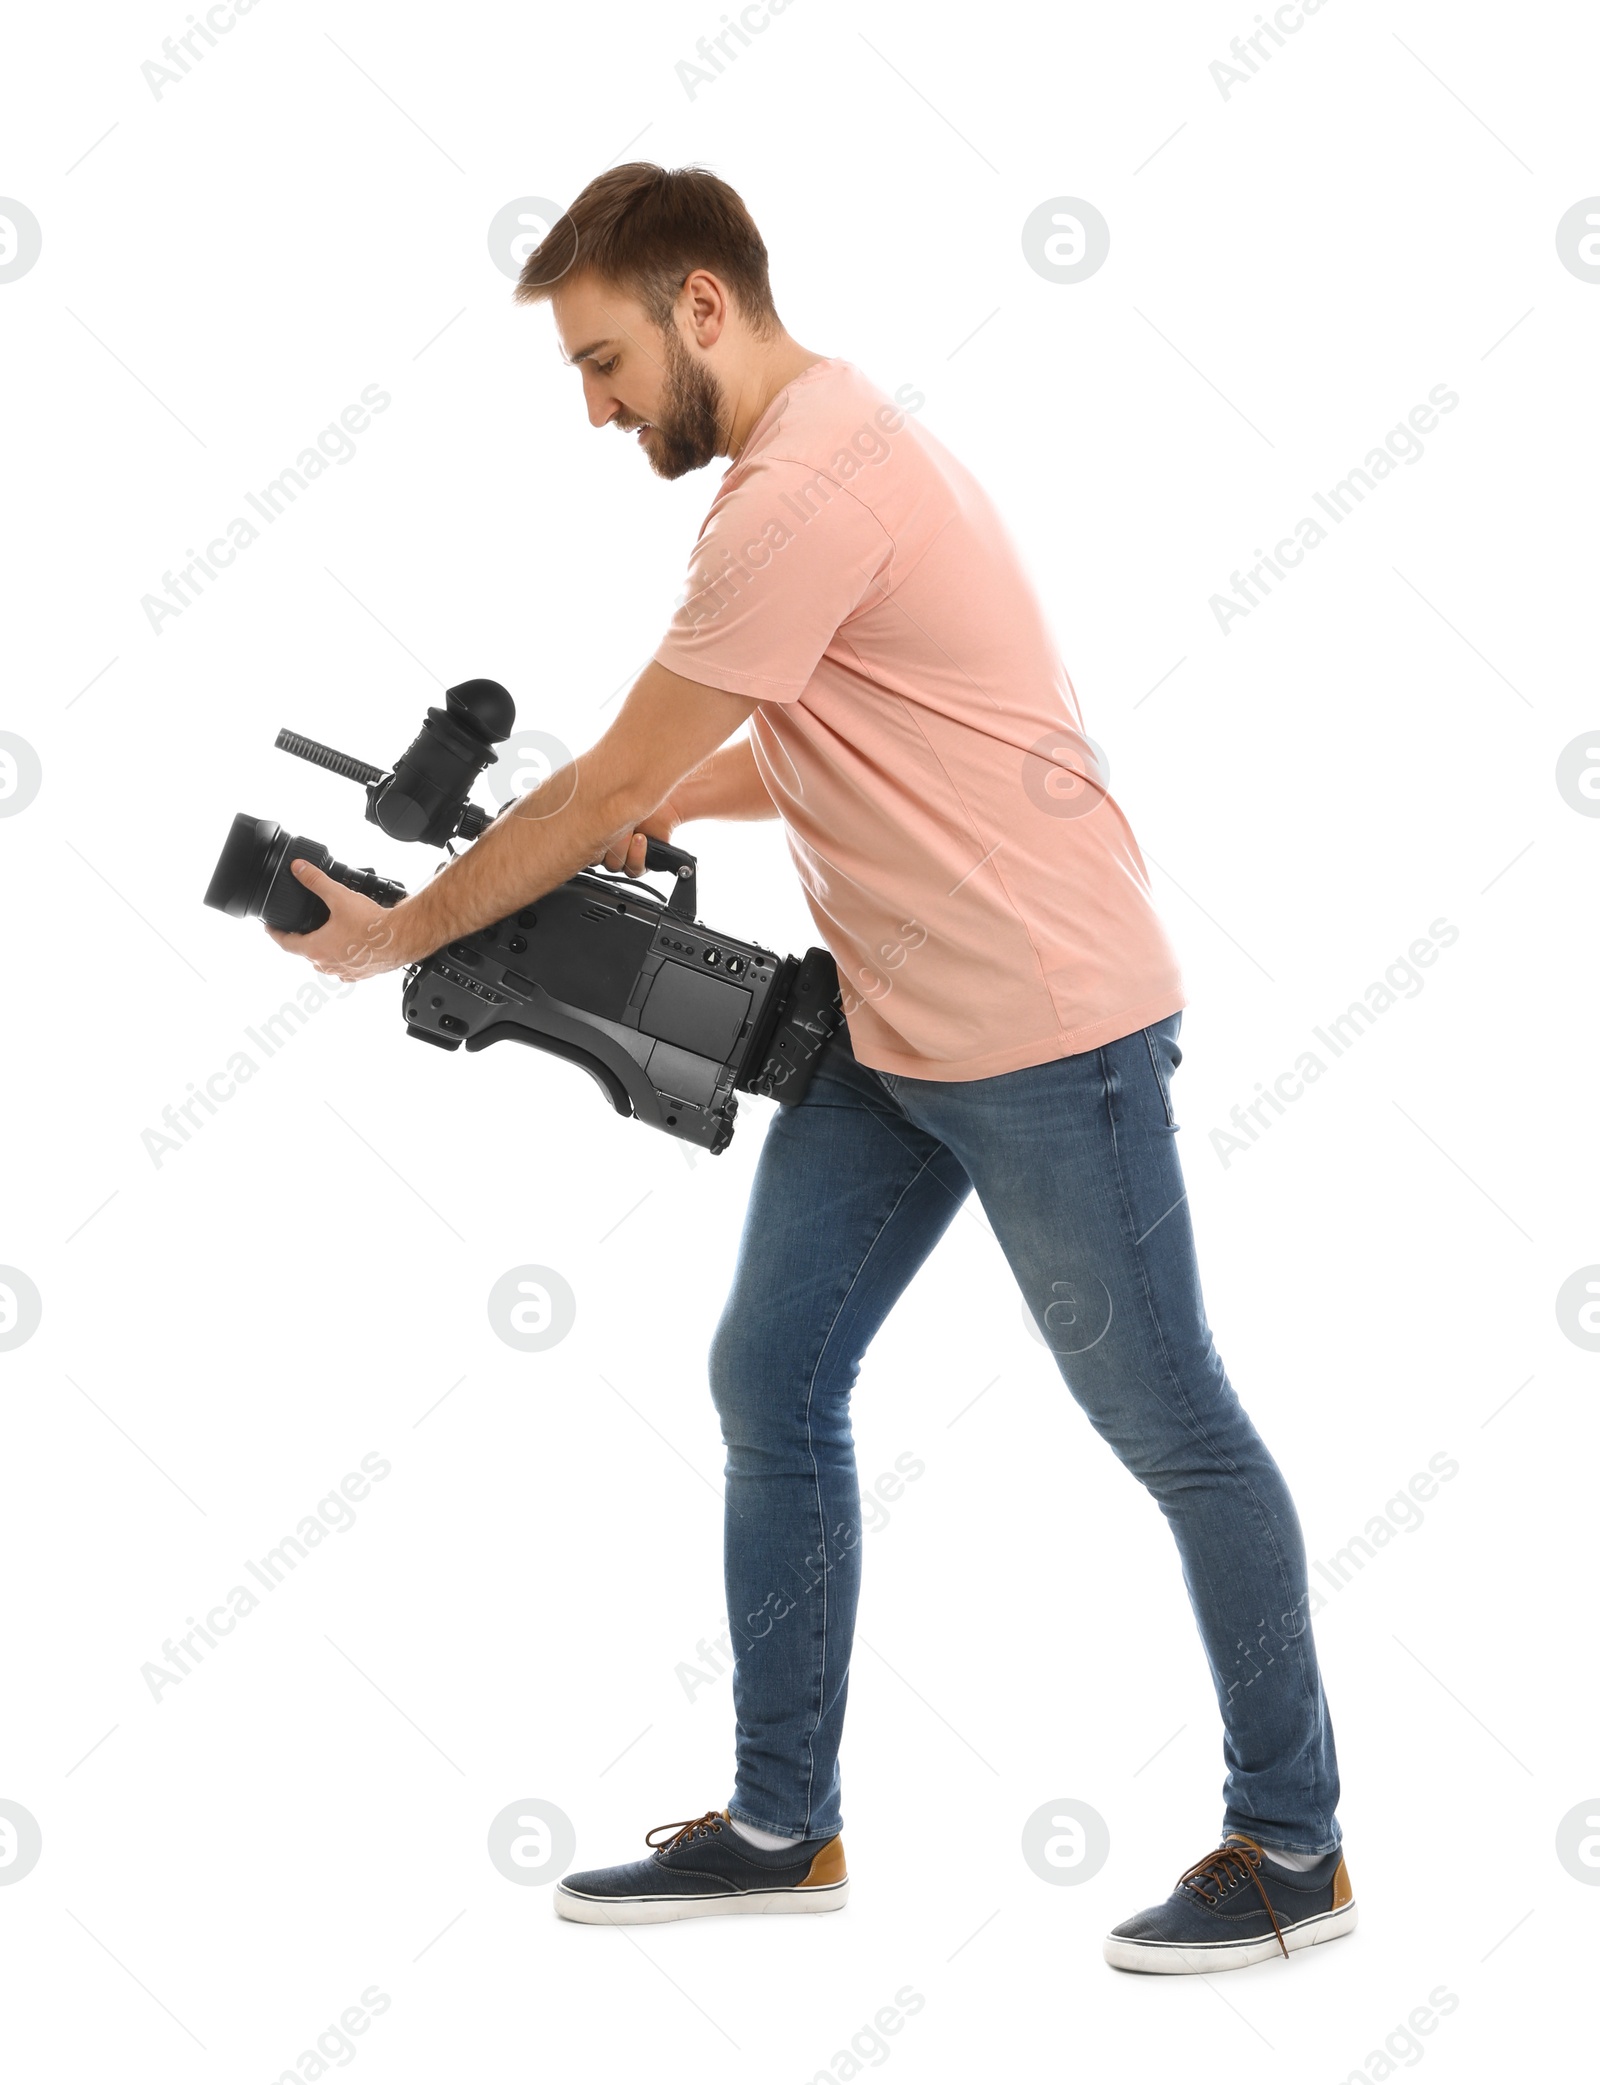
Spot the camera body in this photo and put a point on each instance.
(670, 1018)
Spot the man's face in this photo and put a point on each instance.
(639, 377)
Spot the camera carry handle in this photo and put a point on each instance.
(684, 902)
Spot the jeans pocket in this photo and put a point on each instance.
(1161, 1038)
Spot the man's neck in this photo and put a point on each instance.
(777, 368)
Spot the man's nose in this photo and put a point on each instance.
(603, 408)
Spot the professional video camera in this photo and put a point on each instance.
(671, 1019)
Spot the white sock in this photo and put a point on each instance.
(1299, 1862)
(769, 1842)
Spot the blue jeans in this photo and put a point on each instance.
(1076, 1168)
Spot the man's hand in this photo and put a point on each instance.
(625, 849)
(358, 939)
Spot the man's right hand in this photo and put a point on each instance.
(626, 847)
(728, 785)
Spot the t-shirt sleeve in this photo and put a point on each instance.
(786, 556)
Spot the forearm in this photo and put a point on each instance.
(728, 785)
(546, 836)
(665, 732)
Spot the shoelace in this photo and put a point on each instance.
(1238, 1859)
(683, 1831)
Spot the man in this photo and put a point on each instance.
(1013, 1016)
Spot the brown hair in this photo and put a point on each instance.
(646, 229)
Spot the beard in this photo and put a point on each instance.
(688, 426)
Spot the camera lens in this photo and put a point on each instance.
(253, 879)
(234, 878)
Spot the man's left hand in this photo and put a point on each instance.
(358, 938)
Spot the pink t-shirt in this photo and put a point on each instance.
(978, 886)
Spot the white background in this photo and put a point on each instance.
(225, 1335)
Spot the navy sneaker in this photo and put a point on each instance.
(1233, 1908)
(701, 1869)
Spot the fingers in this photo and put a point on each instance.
(309, 873)
(625, 850)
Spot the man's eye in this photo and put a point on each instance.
(605, 368)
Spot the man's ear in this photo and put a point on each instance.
(704, 303)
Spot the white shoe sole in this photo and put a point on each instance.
(658, 1911)
(1167, 1958)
